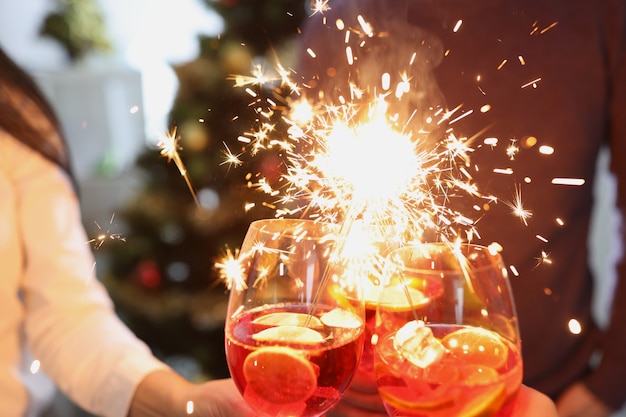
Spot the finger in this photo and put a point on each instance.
(364, 400)
(364, 383)
(344, 409)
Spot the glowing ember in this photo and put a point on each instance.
(574, 326)
(104, 236)
(568, 181)
(231, 271)
(169, 148)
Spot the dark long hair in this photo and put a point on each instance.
(26, 115)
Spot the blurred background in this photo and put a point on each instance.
(121, 74)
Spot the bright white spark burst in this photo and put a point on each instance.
(517, 207)
(351, 163)
(230, 158)
(231, 271)
(319, 6)
(355, 163)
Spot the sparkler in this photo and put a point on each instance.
(231, 270)
(169, 144)
(364, 165)
(518, 208)
(358, 164)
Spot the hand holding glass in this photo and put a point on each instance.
(294, 329)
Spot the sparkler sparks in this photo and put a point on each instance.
(231, 159)
(169, 144)
(231, 271)
(518, 209)
(359, 161)
(353, 163)
(319, 6)
(104, 236)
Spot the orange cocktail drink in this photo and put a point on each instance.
(478, 374)
(422, 291)
(287, 363)
(460, 354)
(295, 323)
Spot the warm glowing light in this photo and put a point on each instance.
(552, 25)
(35, 366)
(349, 56)
(544, 258)
(512, 150)
(518, 209)
(494, 248)
(231, 159)
(532, 83)
(231, 271)
(319, 6)
(568, 181)
(105, 235)
(505, 171)
(574, 326)
(169, 144)
(358, 163)
(365, 26)
(529, 142)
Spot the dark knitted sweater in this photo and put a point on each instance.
(550, 70)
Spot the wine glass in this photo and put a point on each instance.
(294, 329)
(456, 350)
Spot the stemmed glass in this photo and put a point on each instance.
(457, 351)
(294, 329)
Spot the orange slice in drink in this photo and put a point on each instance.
(288, 318)
(289, 335)
(485, 404)
(474, 345)
(280, 375)
(401, 297)
(442, 372)
(473, 374)
(406, 400)
(341, 318)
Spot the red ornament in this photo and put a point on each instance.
(271, 168)
(149, 274)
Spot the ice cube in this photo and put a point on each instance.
(339, 317)
(417, 344)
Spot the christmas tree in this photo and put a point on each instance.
(162, 275)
